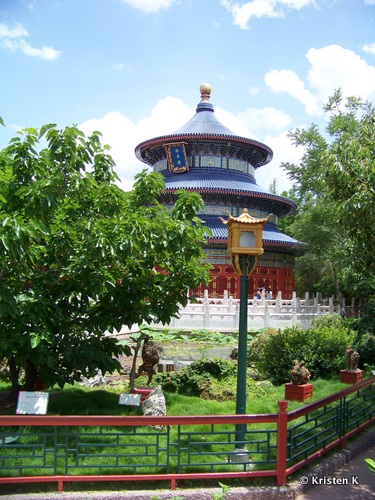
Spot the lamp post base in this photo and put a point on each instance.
(240, 456)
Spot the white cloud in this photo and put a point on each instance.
(118, 67)
(15, 32)
(149, 6)
(268, 118)
(11, 40)
(334, 67)
(369, 47)
(331, 68)
(122, 135)
(288, 81)
(231, 121)
(254, 90)
(283, 151)
(243, 12)
(47, 53)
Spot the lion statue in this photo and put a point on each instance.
(353, 357)
(300, 374)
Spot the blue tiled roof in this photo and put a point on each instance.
(216, 180)
(228, 183)
(204, 122)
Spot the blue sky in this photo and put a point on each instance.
(132, 68)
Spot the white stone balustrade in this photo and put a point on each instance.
(223, 314)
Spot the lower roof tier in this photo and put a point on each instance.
(236, 186)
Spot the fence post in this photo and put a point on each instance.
(266, 316)
(282, 442)
(206, 317)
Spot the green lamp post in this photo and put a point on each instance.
(245, 245)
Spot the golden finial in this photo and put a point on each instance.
(205, 89)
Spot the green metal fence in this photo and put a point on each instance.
(129, 449)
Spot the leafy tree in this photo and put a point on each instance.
(335, 185)
(322, 266)
(80, 257)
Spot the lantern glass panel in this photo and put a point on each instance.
(247, 239)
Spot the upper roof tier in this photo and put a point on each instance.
(204, 126)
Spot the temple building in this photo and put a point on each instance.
(205, 156)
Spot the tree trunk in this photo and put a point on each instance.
(14, 373)
(138, 342)
(31, 373)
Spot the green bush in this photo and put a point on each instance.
(365, 341)
(365, 345)
(212, 378)
(197, 377)
(366, 324)
(322, 347)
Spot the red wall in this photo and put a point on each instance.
(224, 278)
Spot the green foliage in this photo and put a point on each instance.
(334, 186)
(222, 494)
(218, 368)
(197, 377)
(365, 341)
(80, 257)
(322, 347)
(200, 336)
(366, 324)
(365, 345)
(370, 464)
(214, 379)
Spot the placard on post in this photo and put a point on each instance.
(130, 399)
(32, 403)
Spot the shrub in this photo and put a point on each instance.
(365, 345)
(366, 324)
(322, 347)
(213, 378)
(365, 341)
(273, 355)
(194, 379)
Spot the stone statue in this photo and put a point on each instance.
(300, 374)
(353, 357)
(150, 357)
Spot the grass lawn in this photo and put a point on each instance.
(80, 400)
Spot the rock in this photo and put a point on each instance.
(266, 384)
(98, 380)
(155, 405)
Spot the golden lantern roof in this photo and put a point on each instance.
(245, 218)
